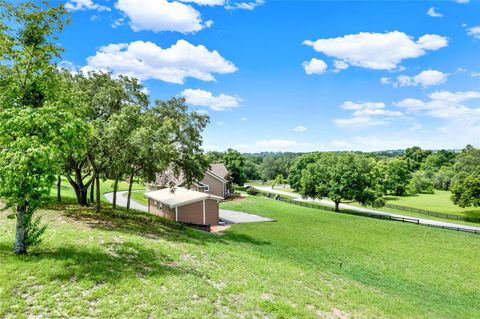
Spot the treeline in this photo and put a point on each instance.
(364, 177)
(86, 127)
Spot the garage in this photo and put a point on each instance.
(185, 206)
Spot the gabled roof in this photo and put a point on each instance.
(219, 169)
(179, 197)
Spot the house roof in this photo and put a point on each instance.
(219, 169)
(179, 197)
(169, 179)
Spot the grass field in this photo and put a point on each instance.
(439, 202)
(308, 264)
(105, 186)
(139, 197)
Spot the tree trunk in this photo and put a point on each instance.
(130, 183)
(115, 189)
(92, 191)
(59, 189)
(97, 184)
(20, 247)
(81, 190)
(337, 206)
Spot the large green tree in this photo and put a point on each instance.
(235, 163)
(295, 172)
(465, 186)
(342, 176)
(397, 176)
(37, 125)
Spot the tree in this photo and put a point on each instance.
(420, 183)
(443, 178)
(437, 160)
(168, 136)
(280, 180)
(343, 176)
(101, 96)
(36, 125)
(415, 156)
(397, 176)
(235, 163)
(295, 172)
(465, 185)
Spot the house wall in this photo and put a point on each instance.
(211, 212)
(164, 211)
(216, 187)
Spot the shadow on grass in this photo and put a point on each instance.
(116, 261)
(148, 225)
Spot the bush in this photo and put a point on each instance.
(240, 188)
(420, 184)
(252, 191)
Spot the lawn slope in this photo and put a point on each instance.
(308, 264)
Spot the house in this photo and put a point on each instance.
(185, 205)
(213, 182)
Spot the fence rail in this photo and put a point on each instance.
(365, 214)
(432, 213)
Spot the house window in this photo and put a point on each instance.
(206, 188)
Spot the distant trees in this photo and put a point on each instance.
(420, 183)
(342, 176)
(466, 180)
(235, 163)
(415, 156)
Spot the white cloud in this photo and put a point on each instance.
(340, 65)
(366, 114)
(432, 12)
(314, 66)
(83, 5)
(203, 98)
(220, 123)
(341, 144)
(244, 119)
(300, 129)
(161, 15)
(146, 60)
(210, 3)
(245, 5)
(462, 1)
(117, 22)
(275, 145)
(380, 51)
(425, 78)
(474, 32)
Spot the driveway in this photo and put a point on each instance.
(229, 216)
(422, 221)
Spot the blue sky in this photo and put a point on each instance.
(297, 75)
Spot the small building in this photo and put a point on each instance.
(213, 182)
(185, 205)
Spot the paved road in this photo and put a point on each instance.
(366, 210)
(230, 216)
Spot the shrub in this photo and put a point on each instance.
(420, 184)
(252, 191)
(240, 188)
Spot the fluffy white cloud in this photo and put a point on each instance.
(462, 1)
(314, 66)
(432, 12)
(300, 129)
(381, 51)
(210, 3)
(445, 104)
(161, 15)
(425, 78)
(203, 98)
(245, 5)
(146, 60)
(474, 32)
(366, 114)
(82, 5)
(244, 119)
(340, 65)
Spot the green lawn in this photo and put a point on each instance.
(308, 264)
(139, 197)
(105, 187)
(439, 202)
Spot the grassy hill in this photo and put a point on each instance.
(308, 264)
